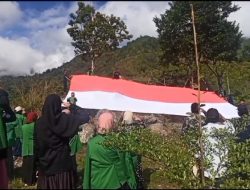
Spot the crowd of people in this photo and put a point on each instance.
(45, 145)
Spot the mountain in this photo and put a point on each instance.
(139, 60)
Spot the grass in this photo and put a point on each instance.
(154, 178)
(17, 183)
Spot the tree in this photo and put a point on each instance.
(94, 33)
(244, 53)
(217, 38)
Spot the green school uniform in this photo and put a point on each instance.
(11, 136)
(72, 100)
(107, 168)
(75, 145)
(3, 135)
(21, 119)
(28, 140)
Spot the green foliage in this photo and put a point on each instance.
(238, 172)
(174, 155)
(32, 96)
(171, 153)
(217, 38)
(244, 52)
(50, 81)
(94, 33)
(240, 124)
(238, 80)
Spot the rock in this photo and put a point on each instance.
(157, 128)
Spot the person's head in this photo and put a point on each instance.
(24, 111)
(4, 99)
(72, 94)
(31, 117)
(128, 117)
(242, 101)
(52, 105)
(18, 110)
(212, 116)
(242, 110)
(116, 75)
(105, 122)
(195, 108)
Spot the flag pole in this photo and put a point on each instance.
(199, 101)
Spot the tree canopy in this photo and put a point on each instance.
(244, 53)
(217, 38)
(93, 33)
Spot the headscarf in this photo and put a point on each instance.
(31, 117)
(212, 116)
(52, 109)
(242, 109)
(105, 122)
(128, 117)
(195, 108)
(54, 119)
(4, 99)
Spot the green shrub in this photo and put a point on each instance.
(238, 173)
(175, 155)
(171, 153)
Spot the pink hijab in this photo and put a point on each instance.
(105, 122)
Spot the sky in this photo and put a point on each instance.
(33, 34)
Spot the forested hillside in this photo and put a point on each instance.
(139, 61)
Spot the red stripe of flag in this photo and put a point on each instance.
(141, 91)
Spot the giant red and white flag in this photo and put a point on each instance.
(95, 92)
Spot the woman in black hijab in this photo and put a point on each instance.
(53, 131)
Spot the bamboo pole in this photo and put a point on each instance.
(228, 87)
(91, 49)
(199, 101)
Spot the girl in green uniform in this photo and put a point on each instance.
(28, 149)
(107, 168)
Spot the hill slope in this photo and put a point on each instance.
(138, 61)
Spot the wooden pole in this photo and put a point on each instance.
(228, 88)
(91, 49)
(199, 101)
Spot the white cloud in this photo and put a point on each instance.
(46, 46)
(50, 39)
(53, 17)
(10, 14)
(47, 43)
(18, 57)
(242, 17)
(137, 15)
